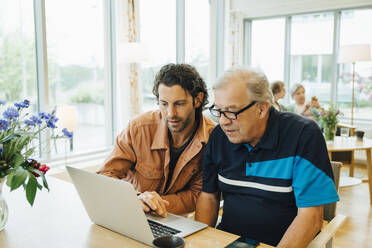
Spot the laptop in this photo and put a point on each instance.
(113, 204)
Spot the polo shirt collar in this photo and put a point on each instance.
(271, 135)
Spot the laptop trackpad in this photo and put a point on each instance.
(170, 220)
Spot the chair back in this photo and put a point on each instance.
(330, 209)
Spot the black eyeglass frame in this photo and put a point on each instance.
(218, 113)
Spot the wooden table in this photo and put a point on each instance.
(353, 144)
(58, 220)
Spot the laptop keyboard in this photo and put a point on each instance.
(160, 230)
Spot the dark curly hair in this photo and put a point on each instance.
(185, 76)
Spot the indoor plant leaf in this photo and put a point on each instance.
(16, 178)
(42, 175)
(31, 188)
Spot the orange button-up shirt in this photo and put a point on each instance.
(141, 156)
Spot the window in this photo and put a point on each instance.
(158, 33)
(268, 47)
(76, 69)
(311, 54)
(17, 52)
(354, 26)
(197, 36)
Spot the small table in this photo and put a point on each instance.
(353, 144)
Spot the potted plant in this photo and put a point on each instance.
(18, 129)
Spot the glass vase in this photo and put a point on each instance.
(329, 133)
(3, 206)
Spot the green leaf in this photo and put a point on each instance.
(39, 186)
(45, 183)
(41, 174)
(17, 160)
(29, 152)
(9, 150)
(16, 178)
(23, 141)
(9, 137)
(31, 188)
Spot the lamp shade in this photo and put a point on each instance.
(354, 53)
(132, 52)
(67, 117)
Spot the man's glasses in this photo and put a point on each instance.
(229, 114)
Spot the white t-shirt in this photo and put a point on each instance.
(299, 109)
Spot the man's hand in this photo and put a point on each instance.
(151, 201)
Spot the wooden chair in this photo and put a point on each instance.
(325, 237)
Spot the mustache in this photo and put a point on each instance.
(174, 119)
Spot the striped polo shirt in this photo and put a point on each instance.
(262, 186)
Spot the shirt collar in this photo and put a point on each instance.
(160, 140)
(271, 135)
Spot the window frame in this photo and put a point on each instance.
(110, 48)
(335, 49)
(110, 76)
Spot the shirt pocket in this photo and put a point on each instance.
(148, 178)
(187, 173)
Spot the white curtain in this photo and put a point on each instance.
(235, 39)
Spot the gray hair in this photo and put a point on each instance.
(295, 88)
(256, 82)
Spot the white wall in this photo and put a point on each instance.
(265, 8)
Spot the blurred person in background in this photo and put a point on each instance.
(308, 109)
(278, 90)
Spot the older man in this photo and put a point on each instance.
(160, 151)
(272, 167)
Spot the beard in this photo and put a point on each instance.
(182, 124)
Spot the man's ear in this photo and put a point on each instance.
(263, 109)
(198, 99)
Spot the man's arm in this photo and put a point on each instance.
(304, 227)
(121, 159)
(207, 208)
(184, 201)
(116, 168)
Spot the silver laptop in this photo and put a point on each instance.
(113, 204)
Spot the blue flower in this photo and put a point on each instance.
(30, 123)
(44, 115)
(67, 133)
(35, 119)
(51, 122)
(3, 125)
(20, 105)
(26, 103)
(2, 102)
(1, 149)
(11, 113)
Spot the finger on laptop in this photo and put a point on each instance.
(160, 207)
(145, 207)
(153, 201)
